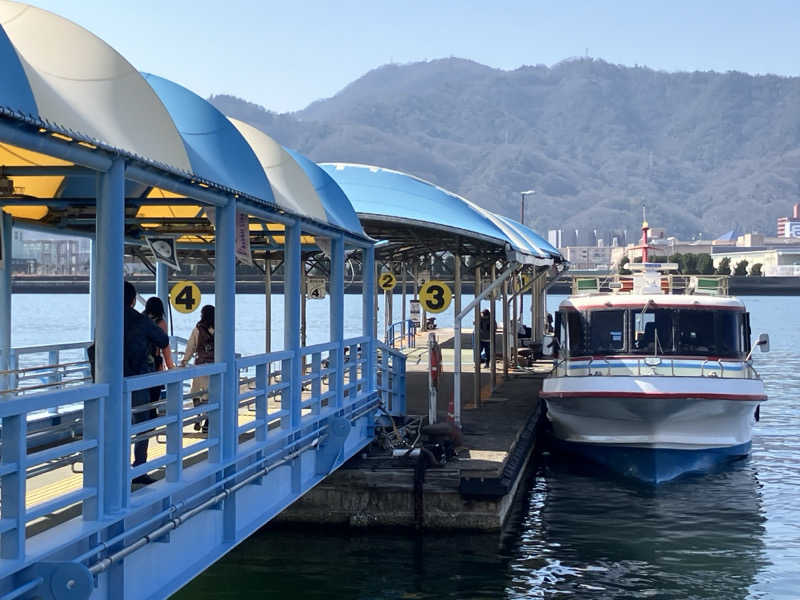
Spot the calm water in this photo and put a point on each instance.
(578, 533)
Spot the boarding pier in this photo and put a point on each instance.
(160, 181)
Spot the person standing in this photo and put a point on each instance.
(140, 336)
(162, 358)
(485, 332)
(201, 345)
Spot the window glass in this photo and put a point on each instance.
(576, 329)
(727, 328)
(696, 332)
(651, 331)
(607, 331)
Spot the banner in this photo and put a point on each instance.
(164, 250)
(243, 239)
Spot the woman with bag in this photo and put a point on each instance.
(201, 345)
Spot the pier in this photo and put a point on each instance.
(130, 172)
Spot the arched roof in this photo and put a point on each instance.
(59, 74)
(400, 197)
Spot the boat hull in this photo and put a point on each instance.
(653, 428)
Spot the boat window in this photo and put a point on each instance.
(652, 331)
(607, 331)
(696, 332)
(576, 331)
(727, 333)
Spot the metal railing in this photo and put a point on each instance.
(392, 379)
(404, 332)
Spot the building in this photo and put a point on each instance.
(46, 254)
(789, 227)
(588, 257)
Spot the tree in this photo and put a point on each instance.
(690, 264)
(755, 270)
(741, 268)
(705, 264)
(621, 267)
(724, 267)
(677, 258)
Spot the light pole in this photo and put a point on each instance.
(522, 205)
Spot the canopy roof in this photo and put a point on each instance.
(80, 89)
(414, 214)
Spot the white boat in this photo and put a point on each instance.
(655, 378)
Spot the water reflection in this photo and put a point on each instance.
(598, 537)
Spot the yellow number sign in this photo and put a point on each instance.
(435, 296)
(386, 281)
(185, 296)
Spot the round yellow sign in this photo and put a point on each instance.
(185, 296)
(386, 281)
(435, 296)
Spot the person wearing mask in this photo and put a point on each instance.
(201, 347)
(141, 334)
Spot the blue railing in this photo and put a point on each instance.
(288, 435)
(404, 332)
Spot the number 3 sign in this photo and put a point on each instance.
(435, 296)
(185, 296)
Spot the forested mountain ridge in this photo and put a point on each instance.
(706, 152)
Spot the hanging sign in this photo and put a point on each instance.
(387, 281)
(415, 312)
(185, 296)
(243, 238)
(435, 296)
(315, 289)
(164, 250)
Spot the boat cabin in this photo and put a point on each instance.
(666, 325)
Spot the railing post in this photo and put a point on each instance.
(109, 335)
(336, 356)
(5, 297)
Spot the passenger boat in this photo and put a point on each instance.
(655, 377)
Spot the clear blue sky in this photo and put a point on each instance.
(284, 55)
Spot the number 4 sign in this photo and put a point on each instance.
(185, 296)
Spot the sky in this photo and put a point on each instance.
(284, 55)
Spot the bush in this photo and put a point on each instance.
(755, 270)
(741, 268)
(724, 267)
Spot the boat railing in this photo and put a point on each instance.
(656, 366)
(671, 283)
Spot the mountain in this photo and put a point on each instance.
(706, 152)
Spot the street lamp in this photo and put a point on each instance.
(522, 206)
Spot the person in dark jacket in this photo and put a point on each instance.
(141, 334)
(485, 332)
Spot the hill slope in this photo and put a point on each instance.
(706, 152)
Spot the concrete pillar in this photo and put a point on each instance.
(5, 298)
(109, 334)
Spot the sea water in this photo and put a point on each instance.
(577, 533)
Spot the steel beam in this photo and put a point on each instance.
(5, 297)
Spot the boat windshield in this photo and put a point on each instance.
(660, 331)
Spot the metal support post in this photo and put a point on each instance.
(268, 306)
(292, 268)
(162, 288)
(337, 317)
(492, 334)
(476, 342)
(506, 328)
(403, 311)
(93, 281)
(457, 283)
(368, 316)
(5, 298)
(225, 350)
(109, 334)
